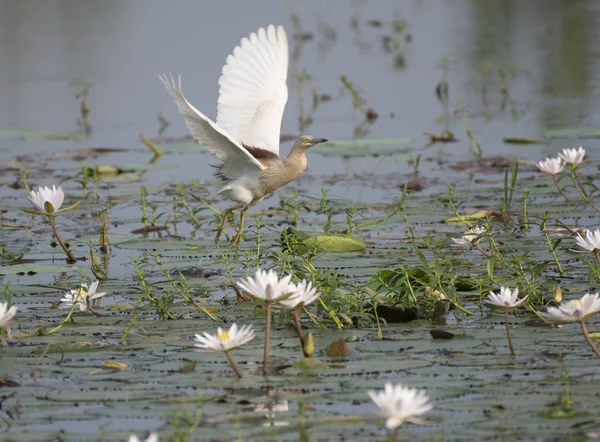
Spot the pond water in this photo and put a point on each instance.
(527, 71)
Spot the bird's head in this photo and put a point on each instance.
(306, 141)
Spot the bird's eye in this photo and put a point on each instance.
(305, 140)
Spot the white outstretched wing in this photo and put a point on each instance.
(253, 89)
(236, 160)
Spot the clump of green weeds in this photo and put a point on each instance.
(161, 304)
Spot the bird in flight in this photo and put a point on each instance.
(245, 137)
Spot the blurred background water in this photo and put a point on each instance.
(120, 47)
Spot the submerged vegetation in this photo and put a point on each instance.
(367, 277)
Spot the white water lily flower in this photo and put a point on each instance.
(266, 286)
(506, 298)
(45, 195)
(575, 310)
(6, 314)
(572, 156)
(152, 437)
(225, 340)
(81, 296)
(469, 236)
(398, 403)
(591, 241)
(305, 294)
(551, 166)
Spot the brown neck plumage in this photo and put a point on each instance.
(278, 173)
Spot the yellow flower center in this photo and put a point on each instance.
(223, 337)
(81, 291)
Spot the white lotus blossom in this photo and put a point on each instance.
(225, 340)
(82, 296)
(572, 156)
(399, 403)
(506, 298)
(54, 197)
(6, 314)
(305, 295)
(469, 236)
(551, 166)
(575, 310)
(591, 241)
(266, 286)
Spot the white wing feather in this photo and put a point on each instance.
(253, 90)
(236, 160)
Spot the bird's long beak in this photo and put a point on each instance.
(318, 140)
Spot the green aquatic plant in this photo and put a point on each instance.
(163, 304)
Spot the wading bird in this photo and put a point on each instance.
(245, 137)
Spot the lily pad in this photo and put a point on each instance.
(329, 243)
(29, 133)
(336, 243)
(478, 215)
(575, 133)
(364, 147)
(32, 269)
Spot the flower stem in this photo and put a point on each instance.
(267, 338)
(562, 192)
(70, 258)
(299, 330)
(581, 191)
(478, 247)
(233, 364)
(552, 251)
(510, 344)
(395, 434)
(331, 313)
(580, 183)
(498, 255)
(64, 321)
(597, 255)
(98, 315)
(588, 339)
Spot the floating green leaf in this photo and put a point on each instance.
(336, 243)
(32, 269)
(364, 147)
(301, 241)
(523, 140)
(28, 133)
(575, 133)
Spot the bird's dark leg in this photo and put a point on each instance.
(238, 237)
(224, 218)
